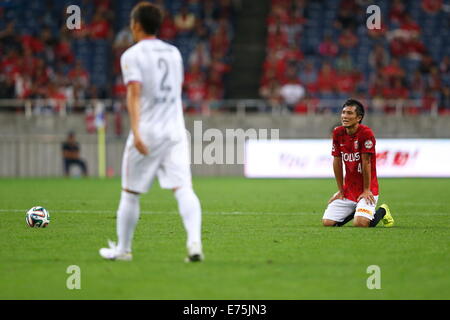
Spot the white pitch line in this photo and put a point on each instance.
(164, 212)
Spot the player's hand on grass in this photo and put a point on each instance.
(338, 195)
(140, 145)
(368, 196)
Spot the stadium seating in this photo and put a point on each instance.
(321, 19)
(97, 54)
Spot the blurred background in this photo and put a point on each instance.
(267, 64)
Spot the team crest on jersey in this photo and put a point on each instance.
(356, 145)
(368, 144)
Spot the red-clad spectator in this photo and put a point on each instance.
(308, 104)
(397, 13)
(393, 70)
(42, 74)
(29, 62)
(378, 57)
(415, 48)
(277, 15)
(395, 96)
(168, 30)
(348, 39)
(24, 86)
(269, 76)
(194, 74)
(219, 43)
(275, 62)
(271, 93)
(346, 82)
(215, 78)
(397, 91)
(119, 89)
(35, 44)
(214, 92)
(409, 25)
(377, 88)
(100, 27)
(327, 78)
(102, 4)
(398, 47)
(432, 6)
(218, 65)
(63, 51)
(328, 48)
(57, 97)
(277, 37)
(78, 75)
(293, 54)
(281, 3)
(196, 93)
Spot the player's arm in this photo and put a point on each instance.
(339, 176)
(133, 105)
(366, 173)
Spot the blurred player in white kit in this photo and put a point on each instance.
(157, 145)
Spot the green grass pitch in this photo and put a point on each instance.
(263, 239)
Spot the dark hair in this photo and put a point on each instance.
(359, 107)
(148, 15)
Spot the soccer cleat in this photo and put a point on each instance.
(112, 253)
(195, 253)
(388, 220)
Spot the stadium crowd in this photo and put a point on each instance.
(40, 58)
(319, 52)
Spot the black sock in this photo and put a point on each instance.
(379, 214)
(350, 217)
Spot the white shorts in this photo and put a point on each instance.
(338, 210)
(168, 160)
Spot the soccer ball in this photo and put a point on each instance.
(37, 217)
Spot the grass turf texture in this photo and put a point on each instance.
(263, 239)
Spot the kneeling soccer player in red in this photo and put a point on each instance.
(357, 196)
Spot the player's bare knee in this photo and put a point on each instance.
(361, 223)
(328, 223)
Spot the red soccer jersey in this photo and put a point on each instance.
(349, 148)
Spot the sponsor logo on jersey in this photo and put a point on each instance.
(362, 210)
(350, 157)
(368, 144)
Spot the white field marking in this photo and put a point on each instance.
(166, 212)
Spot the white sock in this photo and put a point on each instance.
(191, 214)
(127, 217)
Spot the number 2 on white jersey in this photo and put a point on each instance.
(164, 65)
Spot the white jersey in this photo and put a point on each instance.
(158, 66)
